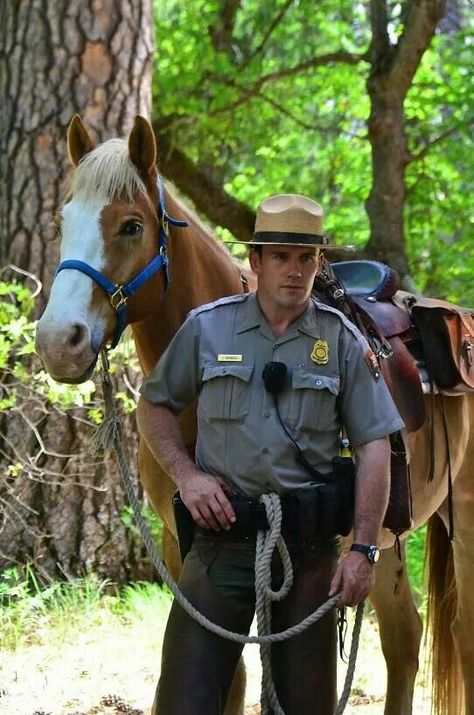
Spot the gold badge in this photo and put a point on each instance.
(320, 354)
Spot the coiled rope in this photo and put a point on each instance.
(109, 436)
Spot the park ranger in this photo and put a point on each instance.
(277, 376)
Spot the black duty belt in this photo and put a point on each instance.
(321, 510)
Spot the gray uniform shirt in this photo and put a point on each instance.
(218, 355)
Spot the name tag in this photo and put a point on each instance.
(229, 358)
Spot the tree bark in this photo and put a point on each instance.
(60, 509)
(392, 70)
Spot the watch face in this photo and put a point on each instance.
(373, 554)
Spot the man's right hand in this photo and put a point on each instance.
(206, 498)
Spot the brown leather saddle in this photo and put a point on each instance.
(404, 331)
(363, 291)
(370, 287)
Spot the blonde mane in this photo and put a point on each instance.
(106, 172)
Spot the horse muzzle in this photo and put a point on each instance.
(69, 353)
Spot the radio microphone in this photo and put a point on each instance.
(274, 377)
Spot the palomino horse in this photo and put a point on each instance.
(110, 228)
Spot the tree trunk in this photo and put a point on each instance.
(392, 70)
(60, 509)
(389, 159)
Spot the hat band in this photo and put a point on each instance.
(288, 238)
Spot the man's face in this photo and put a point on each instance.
(285, 274)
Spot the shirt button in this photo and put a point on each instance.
(275, 346)
(318, 382)
(265, 450)
(267, 414)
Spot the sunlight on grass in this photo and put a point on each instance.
(31, 614)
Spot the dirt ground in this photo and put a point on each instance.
(114, 671)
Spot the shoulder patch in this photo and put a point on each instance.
(345, 321)
(372, 364)
(227, 300)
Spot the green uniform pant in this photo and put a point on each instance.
(218, 578)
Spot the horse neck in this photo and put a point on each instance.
(200, 271)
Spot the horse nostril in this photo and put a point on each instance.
(78, 335)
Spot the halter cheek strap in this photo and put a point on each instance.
(119, 294)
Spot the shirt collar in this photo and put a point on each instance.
(307, 323)
(252, 317)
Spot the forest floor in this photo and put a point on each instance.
(112, 670)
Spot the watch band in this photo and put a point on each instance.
(371, 551)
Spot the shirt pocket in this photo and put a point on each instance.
(225, 393)
(313, 401)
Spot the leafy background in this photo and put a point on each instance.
(262, 127)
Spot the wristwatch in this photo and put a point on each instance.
(371, 551)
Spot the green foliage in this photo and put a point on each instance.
(239, 107)
(32, 613)
(415, 553)
(439, 223)
(17, 335)
(153, 521)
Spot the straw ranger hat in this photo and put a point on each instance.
(290, 220)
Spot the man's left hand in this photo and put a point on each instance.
(354, 579)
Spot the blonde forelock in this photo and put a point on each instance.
(106, 173)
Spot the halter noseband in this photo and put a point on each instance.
(119, 294)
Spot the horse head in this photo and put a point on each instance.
(112, 242)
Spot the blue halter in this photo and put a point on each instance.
(119, 294)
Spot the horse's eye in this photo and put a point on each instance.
(133, 229)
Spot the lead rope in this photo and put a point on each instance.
(267, 541)
(109, 436)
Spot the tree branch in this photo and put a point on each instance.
(280, 108)
(423, 17)
(330, 57)
(222, 33)
(437, 140)
(204, 191)
(310, 127)
(276, 21)
(380, 43)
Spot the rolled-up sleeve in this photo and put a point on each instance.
(367, 408)
(176, 378)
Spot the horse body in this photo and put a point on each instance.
(111, 222)
(450, 588)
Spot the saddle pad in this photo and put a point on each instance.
(367, 278)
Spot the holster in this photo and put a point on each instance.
(185, 525)
(318, 510)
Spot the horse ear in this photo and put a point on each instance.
(79, 142)
(142, 147)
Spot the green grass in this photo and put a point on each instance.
(31, 613)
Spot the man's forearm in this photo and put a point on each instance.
(372, 489)
(160, 429)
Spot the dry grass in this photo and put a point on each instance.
(112, 668)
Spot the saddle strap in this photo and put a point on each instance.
(399, 514)
(450, 474)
